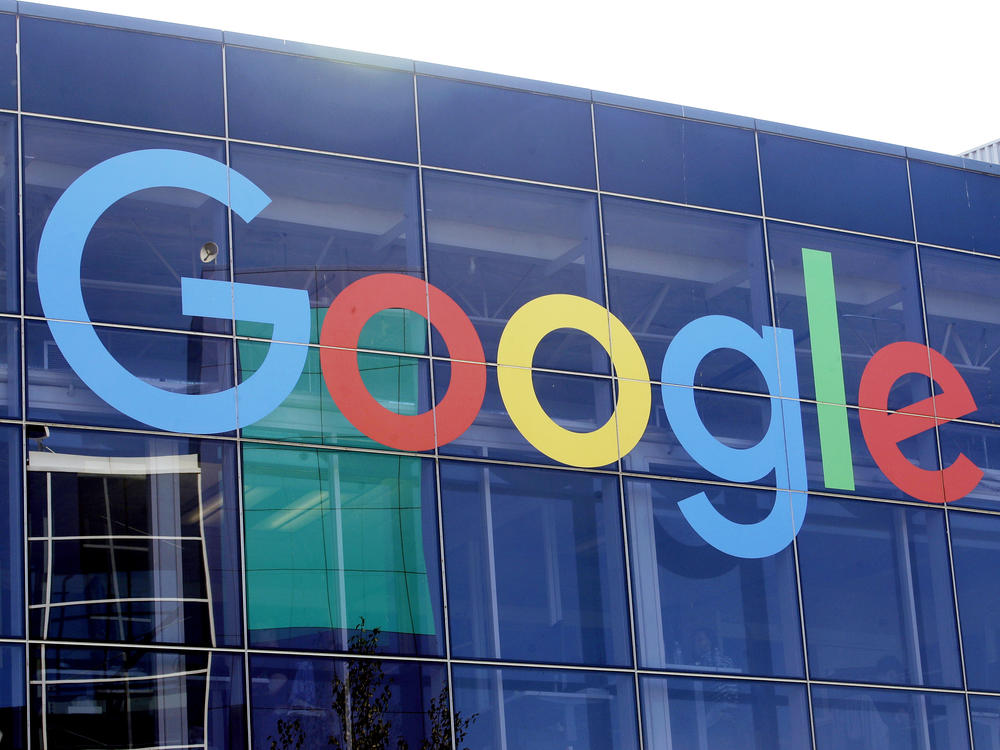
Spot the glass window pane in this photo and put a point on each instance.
(668, 266)
(816, 183)
(505, 132)
(320, 104)
(877, 595)
(956, 207)
(536, 565)
(536, 708)
(297, 696)
(134, 538)
(963, 322)
(156, 698)
(985, 712)
(137, 79)
(697, 608)
(711, 714)
(10, 368)
(13, 732)
(140, 248)
(851, 718)
(330, 222)
(10, 283)
(878, 302)
(11, 540)
(8, 61)
(981, 445)
(679, 160)
(335, 539)
(493, 246)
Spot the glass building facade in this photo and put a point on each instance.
(250, 586)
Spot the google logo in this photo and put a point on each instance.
(772, 351)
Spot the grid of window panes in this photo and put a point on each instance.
(161, 590)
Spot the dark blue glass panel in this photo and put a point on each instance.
(678, 160)
(504, 132)
(963, 321)
(8, 61)
(156, 698)
(492, 246)
(297, 693)
(975, 549)
(10, 368)
(575, 402)
(985, 712)
(330, 222)
(835, 187)
(668, 266)
(711, 714)
(140, 248)
(878, 302)
(536, 566)
(136, 79)
(11, 540)
(877, 595)
(701, 610)
(736, 420)
(173, 362)
(850, 718)
(134, 538)
(546, 708)
(12, 698)
(981, 445)
(10, 283)
(869, 480)
(320, 104)
(955, 207)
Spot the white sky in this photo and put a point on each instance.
(912, 72)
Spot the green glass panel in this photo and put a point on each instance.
(332, 538)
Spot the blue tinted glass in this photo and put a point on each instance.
(981, 445)
(504, 132)
(956, 208)
(668, 266)
(10, 367)
(536, 708)
(985, 712)
(535, 565)
(11, 549)
(134, 538)
(735, 420)
(850, 718)
(8, 61)
(137, 79)
(295, 694)
(699, 609)
(12, 698)
(493, 246)
(835, 187)
(878, 301)
(141, 246)
(975, 548)
(9, 281)
(330, 106)
(716, 714)
(963, 321)
(877, 596)
(678, 160)
(334, 539)
(330, 222)
(173, 362)
(574, 402)
(186, 698)
(869, 480)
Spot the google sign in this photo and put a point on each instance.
(772, 351)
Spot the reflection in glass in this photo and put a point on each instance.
(956, 207)
(91, 697)
(536, 565)
(12, 697)
(851, 718)
(877, 595)
(10, 283)
(985, 713)
(336, 538)
(981, 445)
(697, 608)
(11, 538)
(717, 714)
(546, 708)
(133, 539)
